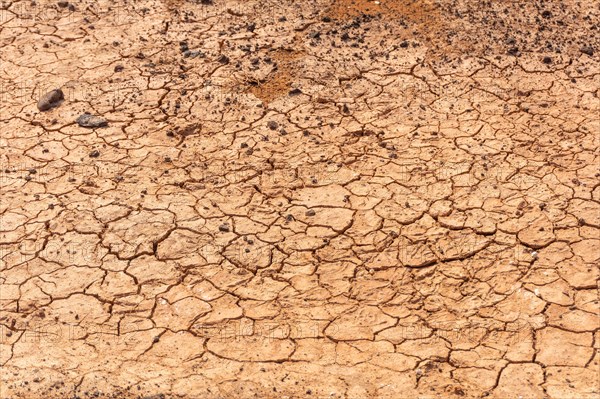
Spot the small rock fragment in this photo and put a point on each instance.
(310, 212)
(92, 121)
(94, 154)
(588, 50)
(513, 51)
(224, 228)
(183, 46)
(50, 100)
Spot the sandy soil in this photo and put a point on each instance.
(299, 199)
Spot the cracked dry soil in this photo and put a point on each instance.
(299, 199)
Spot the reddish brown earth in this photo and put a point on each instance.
(300, 199)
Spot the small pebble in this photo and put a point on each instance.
(50, 100)
(91, 121)
(588, 50)
(224, 228)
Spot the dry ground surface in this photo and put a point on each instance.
(300, 199)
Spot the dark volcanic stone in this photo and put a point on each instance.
(92, 121)
(224, 228)
(513, 51)
(589, 50)
(50, 100)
